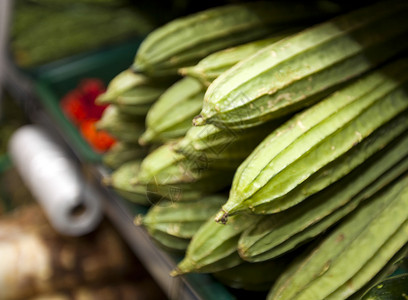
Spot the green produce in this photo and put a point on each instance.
(253, 276)
(171, 115)
(171, 175)
(393, 288)
(123, 127)
(302, 69)
(121, 153)
(41, 32)
(121, 181)
(168, 222)
(219, 148)
(157, 163)
(169, 242)
(186, 40)
(122, 83)
(133, 93)
(353, 253)
(322, 144)
(212, 66)
(214, 246)
(276, 234)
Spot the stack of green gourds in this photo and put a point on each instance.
(279, 159)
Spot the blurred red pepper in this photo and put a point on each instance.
(79, 106)
(98, 139)
(91, 89)
(74, 108)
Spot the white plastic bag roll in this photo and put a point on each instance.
(71, 205)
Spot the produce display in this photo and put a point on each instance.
(184, 42)
(268, 142)
(170, 116)
(44, 31)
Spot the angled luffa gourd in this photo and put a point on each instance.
(121, 181)
(323, 143)
(279, 233)
(300, 70)
(173, 224)
(121, 153)
(171, 115)
(133, 93)
(186, 40)
(120, 125)
(222, 148)
(213, 247)
(353, 253)
(213, 65)
(174, 176)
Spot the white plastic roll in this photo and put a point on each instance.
(71, 205)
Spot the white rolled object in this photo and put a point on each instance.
(70, 204)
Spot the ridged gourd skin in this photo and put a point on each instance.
(121, 153)
(171, 175)
(186, 40)
(168, 222)
(182, 219)
(213, 65)
(214, 246)
(155, 165)
(348, 127)
(300, 70)
(121, 83)
(222, 149)
(353, 253)
(121, 181)
(276, 234)
(171, 115)
(132, 88)
(133, 93)
(121, 126)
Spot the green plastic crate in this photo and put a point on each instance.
(54, 80)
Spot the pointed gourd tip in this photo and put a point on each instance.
(176, 148)
(142, 142)
(221, 217)
(183, 267)
(176, 272)
(138, 220)
(135, 68)
(102, 99)
(183, 71)
(199, 120)
(146, 138)
(134, 181)
(242, 252)
(99, 125)
(107, 181)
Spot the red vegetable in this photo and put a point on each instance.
(79, 106)
(100, 140)
(91, 89)
(74, 108)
